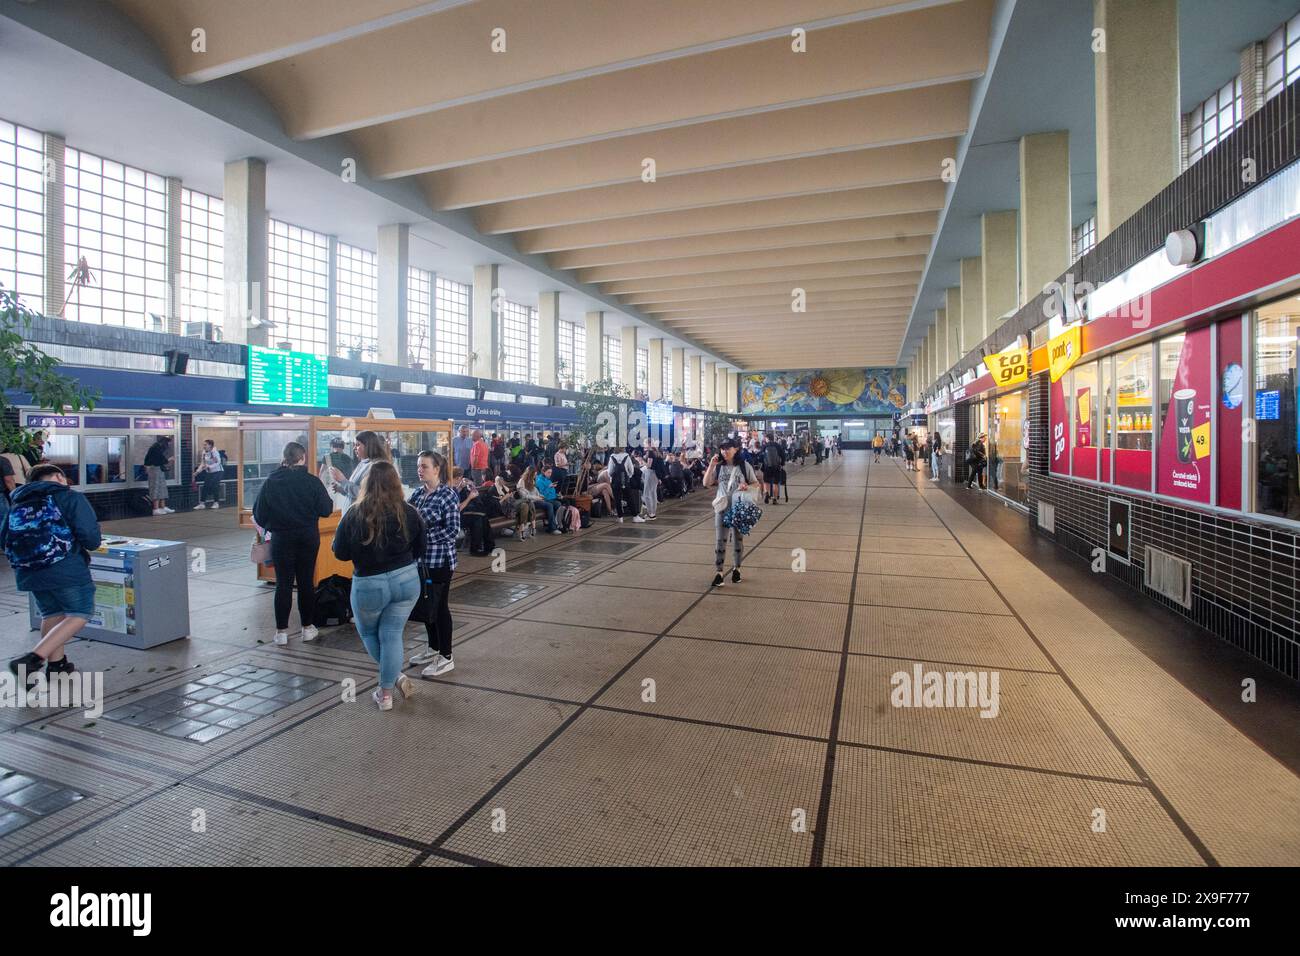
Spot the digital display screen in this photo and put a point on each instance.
(1268, 406)
(276, 377)
(660, 413)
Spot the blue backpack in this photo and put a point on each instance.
(37, 537)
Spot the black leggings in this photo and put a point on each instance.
(438, 622)
(293, 553)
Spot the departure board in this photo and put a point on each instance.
(276, 377)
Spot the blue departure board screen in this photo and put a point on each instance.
(276, 377)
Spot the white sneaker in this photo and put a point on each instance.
(638, 519)
(310, 633)
(620, 520)
(281, 638)
(557, 531)
(507, 532)
(214, 506)
(169, 511)
(382, 701)
(200, 506)
(158, 512)
(440, 665)
(424, 657)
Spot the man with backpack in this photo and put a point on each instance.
(47, 531)
(623, 479)
(773, 462)
(976, 460)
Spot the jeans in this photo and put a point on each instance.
(293, 552)
(479, 529)
(381, 605)
(77, 600)
(211, 486)
(437, 583)
(650, 492)
(542, 504)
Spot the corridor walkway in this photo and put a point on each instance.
(607, 707)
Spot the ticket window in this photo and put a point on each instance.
(106, 458)
(64, 451)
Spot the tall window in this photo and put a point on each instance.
(202, 292)
(116, 217)
(357, 313)
(298, 290)
(419, 314)
(451, 326)
(534, 345)
(572, 341)
(514, 341)
(1213, 120)
(686, 382)
(643, 371)
(1277, 331)
(1282, 57)
(613, 358)
(22, 215)
(1084, 237)
(667, 378)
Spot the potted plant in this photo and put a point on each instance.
(562, 371)
(415, 356)
(354, 348)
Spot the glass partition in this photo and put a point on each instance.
(106, 459)
(1134, 418)
(1277, 331)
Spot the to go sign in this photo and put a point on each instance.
(1009, 368)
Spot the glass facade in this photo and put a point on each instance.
(298, 290)
(22, 214)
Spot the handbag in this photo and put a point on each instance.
(260, 553)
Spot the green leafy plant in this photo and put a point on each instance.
(25, 369)
(596, 398)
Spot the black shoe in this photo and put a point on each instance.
(717, 580)
(735, 575)
(64, 666)
(33, 663)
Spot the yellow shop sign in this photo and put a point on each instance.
(1009, 368)
(1064, 350)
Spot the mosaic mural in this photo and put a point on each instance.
(852, 391)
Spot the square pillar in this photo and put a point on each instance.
(972, 304)
(595, 346)
(548, 340)
(485, 330)
(1139, 114)
(708, 386)
(627, 349)
(655, 379)
(332, 296)
(245, 252)
(54, 287)
(1044, 211)
(695, 393)
(679, 376)
(733, 392)
(175, 272)
(955, 310)
(720, 389)
(999, 263)
(392, 262)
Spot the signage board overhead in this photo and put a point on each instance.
(1064, 350)
(276, 377)
(1009, 368)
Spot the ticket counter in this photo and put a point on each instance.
(261, 449)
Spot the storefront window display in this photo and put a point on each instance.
(1087, 431)
(1133, 424)
(1277, 330)
(1185, 460)
(1008, 455)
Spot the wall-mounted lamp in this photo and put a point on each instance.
(1185, 246)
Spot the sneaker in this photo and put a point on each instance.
(735, 575)
(31, 662)
(64, 666)
(158, 512)
(382, 701)
(620, 520)
(440, 665)
(169, 511)
(423, 657)
(651, 517)
(507, 532)
(282, 637)
(717, 580)
(406, 686)
(309, 633)
(557, 531)
(639, 520)
(200, 506)
(214, 506)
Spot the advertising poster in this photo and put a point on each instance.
(1183, 466)
(1083, 429)
(1232, 395)
(1059, 452)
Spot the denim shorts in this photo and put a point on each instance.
(76, 601)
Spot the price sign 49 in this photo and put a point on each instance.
(1009, 368)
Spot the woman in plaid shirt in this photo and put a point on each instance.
(439, 506)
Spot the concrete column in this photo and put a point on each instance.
(627, 348)
(1044, 211)
(1139, 115)
(973, 330)
(485, 330)
(709, 386)
(679, 376)
(695, 392)
(548, 340)
(720, 389)
(656, 377)
(392, 260)
(175, 272)
(925, 360)
(733, 392)
(595, 346)
(244, 197)
(332, 296)
(955, 310)
(1252, 79)
(54, 287)
(998, 263)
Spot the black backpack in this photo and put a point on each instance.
(772, 455)
(333, 602)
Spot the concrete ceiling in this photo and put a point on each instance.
(773, 169)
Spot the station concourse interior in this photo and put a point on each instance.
(1004, 291)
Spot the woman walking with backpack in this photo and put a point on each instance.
(622, 478)
(289, 505)
(383, 537)
(439, 506)
(730, 473)
(773, 461)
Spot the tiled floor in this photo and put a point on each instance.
(609, 707)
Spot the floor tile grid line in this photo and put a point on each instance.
(818, 855)
(276, 732)
(1175, 817)
(568, 722)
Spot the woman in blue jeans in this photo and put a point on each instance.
(383, 537)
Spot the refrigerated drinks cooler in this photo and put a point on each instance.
(142, 596)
